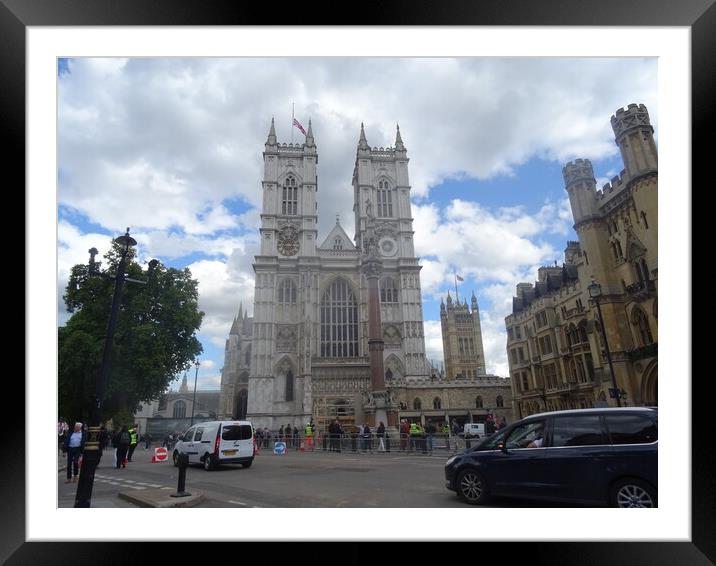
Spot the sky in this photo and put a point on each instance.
(172, 148)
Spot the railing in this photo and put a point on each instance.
(438, 443)
(648, 351)
(640, 289)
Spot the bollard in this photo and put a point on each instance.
(183, 461)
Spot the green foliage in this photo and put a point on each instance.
(154, 340)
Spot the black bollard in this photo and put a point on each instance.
(183, 461)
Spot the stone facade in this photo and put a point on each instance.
(462, 339)
(556, 350)
(309, 341)
(233, 402)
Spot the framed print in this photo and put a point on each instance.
(580, 54)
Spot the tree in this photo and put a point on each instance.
(154, 340)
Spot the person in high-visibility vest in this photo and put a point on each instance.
(133, 442)
(415, 434)
(308, 433)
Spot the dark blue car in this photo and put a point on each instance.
(593, 456)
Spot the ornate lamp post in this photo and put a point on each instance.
(193, 401)
(91, 454)
(595, 293)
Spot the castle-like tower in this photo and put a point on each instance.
(235, 373)
(617, 228)
(310, 345)
(462, 339)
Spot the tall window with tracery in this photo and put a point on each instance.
(339, 321)
(179, 411)
(388, 291)
(385, 199)
(287, 292)
(642, 324)
(289, 202)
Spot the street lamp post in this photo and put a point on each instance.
(91, 454)
(193, 401)
(595, 293)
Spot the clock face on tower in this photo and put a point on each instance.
(388, 247)
(288, 241)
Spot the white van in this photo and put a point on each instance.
(474, 430)
(214, 443)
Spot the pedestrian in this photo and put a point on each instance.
(430, 431)
(121, 442)
(296, 439)
(404, 434)
(267, 437)
(74, 445)
(147, 441)
(280, 434)
(134, 440)
(380, 433)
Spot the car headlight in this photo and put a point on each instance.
(451, 460)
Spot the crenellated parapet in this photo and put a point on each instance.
(578, 171)
(616, 184)
(634, 116)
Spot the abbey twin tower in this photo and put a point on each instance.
(313, 349)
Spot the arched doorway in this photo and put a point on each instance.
(241, 404)
(650, 386)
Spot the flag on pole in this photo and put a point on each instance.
(458, 277)
(299, 126)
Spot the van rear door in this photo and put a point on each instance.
(236, 440)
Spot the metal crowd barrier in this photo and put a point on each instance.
(390, 443)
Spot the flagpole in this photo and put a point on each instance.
(457, 297)
(292, 119)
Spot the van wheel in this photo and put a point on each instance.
(209, 463)
(632, 492)
(471, 487)
(175, 458)
(247, 464)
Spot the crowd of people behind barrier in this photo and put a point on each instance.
(337, 437)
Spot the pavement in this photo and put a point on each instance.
(146, 497)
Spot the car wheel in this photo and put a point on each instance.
(471, 487)
(208, 463)
(247, 464)
(175, 458)
(632, 492)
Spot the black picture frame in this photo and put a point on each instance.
(699, 15)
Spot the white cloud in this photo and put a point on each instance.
(172, 147)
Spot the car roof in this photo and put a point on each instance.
(645, 410)
(212, 423)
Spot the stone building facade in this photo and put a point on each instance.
(310, 351)
(462, 339)
(617, 250)
(233, 402)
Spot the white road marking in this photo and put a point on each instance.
(167, 488)
(154, 485)
(136, 487)
(130, 481)
(237, 502)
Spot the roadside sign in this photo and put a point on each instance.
(160, 454)
(279, 448)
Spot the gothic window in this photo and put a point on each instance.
(590, 366)
(460, 346)
(338, 243)
(339, 321)
(417, 404)
(162, 403)
(478, 402)
(289, 386)
(583, 331)
(637, 271)
(287, 292)
(248, 356)
(179, 410)
(289, 202)
(436, 403)
(385, 200)
(472, 346)
(499, 402)
(644, 270)
(642, 324)
(388, 375)
(388, 291)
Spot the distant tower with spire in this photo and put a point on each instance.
(233, 398)
(462, 339)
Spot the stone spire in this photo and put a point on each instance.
(362, 142)
(184, 387)
(398, 140)
(236, 326)
(309, 136)
(271, 135)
